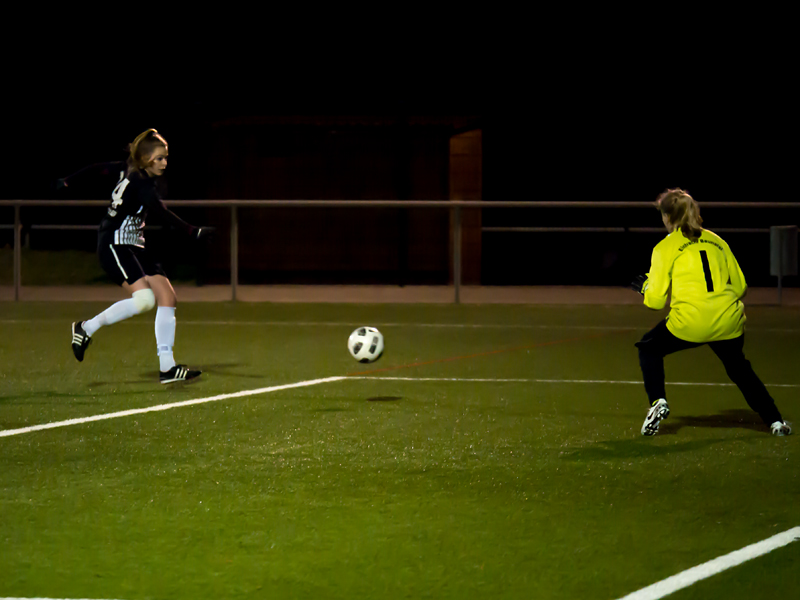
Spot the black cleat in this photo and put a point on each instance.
(178, 373)
(80, 340)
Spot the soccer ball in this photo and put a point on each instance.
(366, 344)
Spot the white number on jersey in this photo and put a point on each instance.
(116, 196)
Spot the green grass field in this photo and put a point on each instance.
(493, 452)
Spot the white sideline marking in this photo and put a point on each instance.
(432, 325)
(442, 325)
(686, 578)
(469, 380)
(348, 324)
(160, 407)
(465, 326)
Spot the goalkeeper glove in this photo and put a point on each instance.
(639, 284)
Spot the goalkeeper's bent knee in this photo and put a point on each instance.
(144, 300)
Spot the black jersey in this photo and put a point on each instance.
(133, 199)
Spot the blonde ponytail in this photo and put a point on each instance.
(682, 212)
(141, 149)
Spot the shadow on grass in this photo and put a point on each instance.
(45, 396)
(635, 448)
(643, 447)
(384, 399)
(74, 398)
(147, 378)
(728, 419)
(225, 369)
(151, 378)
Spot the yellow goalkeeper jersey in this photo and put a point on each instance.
(707, 287)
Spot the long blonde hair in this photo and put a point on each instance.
(682, 212)
(142, 148)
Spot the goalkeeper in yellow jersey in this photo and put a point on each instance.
(705, 308)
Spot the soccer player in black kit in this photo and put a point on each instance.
(122, 253)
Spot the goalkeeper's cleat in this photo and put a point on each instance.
(781, 428)
(80, 340)
(178, 373)
(657, 412)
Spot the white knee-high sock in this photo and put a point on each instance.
(141, 301)
(165, 336)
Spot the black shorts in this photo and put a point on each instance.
(127, 263)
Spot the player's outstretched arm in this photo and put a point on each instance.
(157, 207)
(104, 168)
(659, 278)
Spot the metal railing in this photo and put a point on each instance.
(454, 205)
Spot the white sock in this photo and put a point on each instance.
(124, 309)
(165, 336)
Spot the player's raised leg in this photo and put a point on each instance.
(142, 299)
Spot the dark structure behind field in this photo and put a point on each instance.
(557, 151)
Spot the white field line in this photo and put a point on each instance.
(161, 407)
(345, 324)
(613, 382)
(382, 325)
(463, 325)
(712, 567)
(429, 325)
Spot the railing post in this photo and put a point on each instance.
(457, 253)
(234, 251)
(17, 252)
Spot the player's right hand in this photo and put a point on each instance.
(639, 284)
(203, 233)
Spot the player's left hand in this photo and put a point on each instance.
(58, 185)
(639, 284)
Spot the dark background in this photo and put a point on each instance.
(596, 131)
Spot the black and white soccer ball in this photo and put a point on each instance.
(366, 344)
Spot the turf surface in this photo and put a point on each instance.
(437, 480)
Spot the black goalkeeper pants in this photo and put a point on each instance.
(659, 341)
